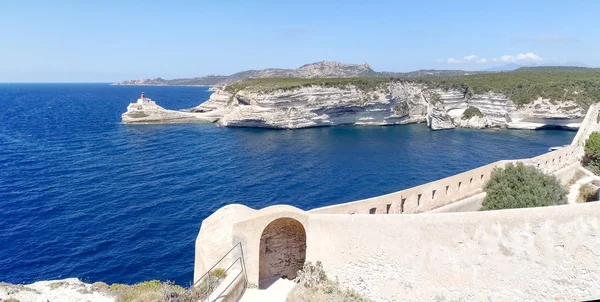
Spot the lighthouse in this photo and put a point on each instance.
(142, 99)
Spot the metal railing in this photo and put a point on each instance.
(209, 287)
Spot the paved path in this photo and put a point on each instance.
(277, 292)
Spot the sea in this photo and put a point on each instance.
(82, 195)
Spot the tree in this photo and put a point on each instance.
(592, 153)
(520, 186)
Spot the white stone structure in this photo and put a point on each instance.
(534, 254)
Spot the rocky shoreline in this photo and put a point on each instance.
(394, 103)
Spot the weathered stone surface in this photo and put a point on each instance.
(391, 104)
(396, 103)
(282, 250)
(474, 122)
(67, 290)
(438, 118)
(148, 112)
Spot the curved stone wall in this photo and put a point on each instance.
(445, 191)
(535, 254)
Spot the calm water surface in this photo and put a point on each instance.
(82, 195)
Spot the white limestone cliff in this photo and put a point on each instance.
(390, 104)
(438, 118)
(474, 122)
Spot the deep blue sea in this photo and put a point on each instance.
(82, 195)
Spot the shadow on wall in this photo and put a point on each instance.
(282, 251)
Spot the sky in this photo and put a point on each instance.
(106, 41)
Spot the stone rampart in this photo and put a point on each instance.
(535, 254)
(448, 190)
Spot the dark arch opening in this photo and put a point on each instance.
(282, 251)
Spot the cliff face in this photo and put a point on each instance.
(395, 103)
(148, 112)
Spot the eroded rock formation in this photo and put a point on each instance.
(390, 104)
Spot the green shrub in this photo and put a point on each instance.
(592, 153)
(587, 193)
(471, 112)
(520, 186)
(218, 273)
(435, 98)
(401, 108)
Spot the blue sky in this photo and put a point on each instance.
(102, 41)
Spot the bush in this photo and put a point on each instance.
(218, 273)
(592, 153)
(401, 109)
(587, 193)
(520, 186)
(471, 112)
(313, 285)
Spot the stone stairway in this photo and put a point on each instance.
(277, 292)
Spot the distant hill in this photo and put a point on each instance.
(323, 69)
(513, 66)
(559, 69)
(507, 67)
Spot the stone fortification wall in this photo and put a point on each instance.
(536, 254)
(445, 191)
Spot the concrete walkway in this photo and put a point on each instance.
(277, 292)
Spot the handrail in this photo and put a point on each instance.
(216, 263)
(206, 277)
(228, 285)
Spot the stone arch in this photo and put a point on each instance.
(282, 250)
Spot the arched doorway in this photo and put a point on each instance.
(282, 251)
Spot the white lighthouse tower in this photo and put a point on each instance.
(143, 99)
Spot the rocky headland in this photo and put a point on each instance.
(441, 103)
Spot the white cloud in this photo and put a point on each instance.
(471, 58)
(467, 59)
(520, 58)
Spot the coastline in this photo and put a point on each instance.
(396, 104)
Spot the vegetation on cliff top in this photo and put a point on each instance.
(522, 86)
(273, 84)
(471, 112)
(520, 186)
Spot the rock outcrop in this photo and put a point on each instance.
(475, 122)
(66, 290)
(147, 112)
(393, 103)
(438, 118)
